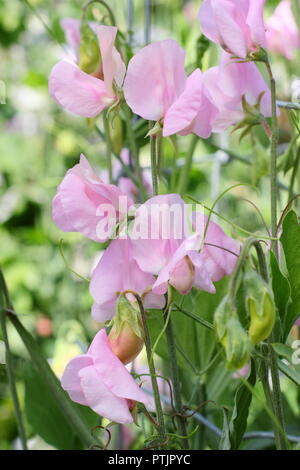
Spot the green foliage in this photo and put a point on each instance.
(45, 416)
(290, 240)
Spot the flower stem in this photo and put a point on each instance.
(9, 366)
(105, 5)
(175, 376)
(159, 412)
(108, 146)
(273, 162)
(280, 435)
(134, 150)
(153, 151)
(185, 172)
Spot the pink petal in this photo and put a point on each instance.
(117, 272)
(79, 197)
(113, 66)
(184, 110)
(163, 220)
(155, 78)
(71, 29)
(100, 398)
(70, 380)
(255, 21)
(78, 92)
(120, 382)
(223, 255)
(232, 37)
(178, 271)
(219, 23)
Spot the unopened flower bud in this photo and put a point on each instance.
(261, 308)
(89, 52)
(232, 336)
(126, 336)
(126, 345)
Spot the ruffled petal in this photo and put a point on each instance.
(78, 92)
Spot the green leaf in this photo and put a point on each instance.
(290, 240)
(291, 370)
(242, 401)
(44, 414)
(78, 424)
(281, 288)
(225, 443)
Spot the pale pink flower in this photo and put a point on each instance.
(228, 83)
(118, 272)
(183, 259)
(282, 31)
(98, 379)
(156, 88)
(297, 323)
(77, 204)
(236, 25)
(84, 94)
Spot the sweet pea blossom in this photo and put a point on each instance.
(81, 199)
(282, 31)
(116, 273)
(84, 94)
(183, 259)
(236, 25)
(228, 83)
(98, 379)
(156, 88)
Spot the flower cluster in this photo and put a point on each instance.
(155, 85)
(159, 244)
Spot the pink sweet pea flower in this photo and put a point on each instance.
(180, 257)
(236, 25)
(84, 94)
(199, 261)
(228, 83)
(98, 379)
(156, 88)
(117, 272)
(297, 323)
(80, 196)
(282, 31)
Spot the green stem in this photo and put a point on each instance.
(280, 435)
(134, 150)
(273, 162)
(153, 152)
(159, 412)
(175, 377)
(108, 146)
(294, 174)
(195, 317)
(10, 369)
(185, 172)
(105, 5)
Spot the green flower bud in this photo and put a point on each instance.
(261, 308)
(232, 336)
(89, 51)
